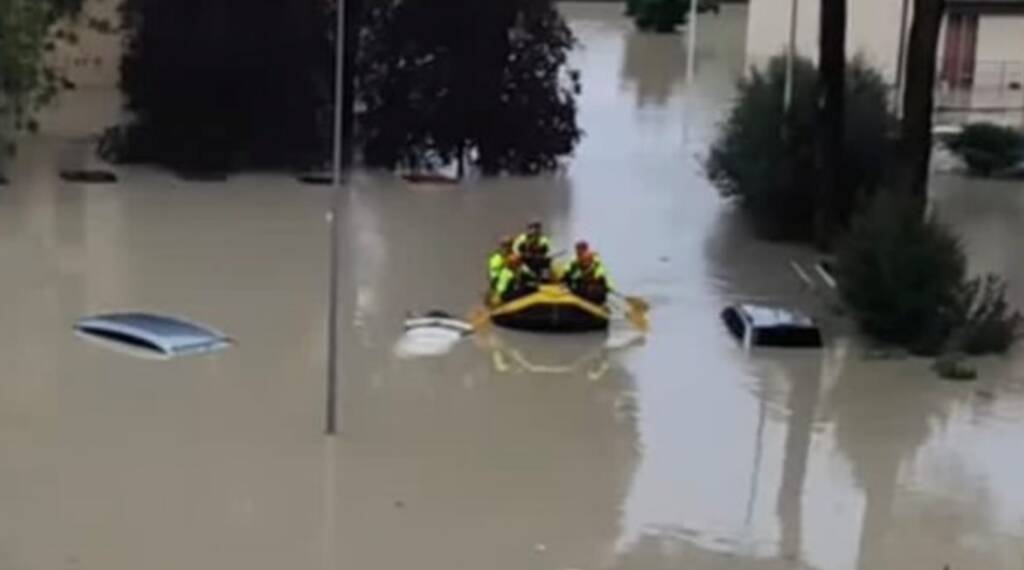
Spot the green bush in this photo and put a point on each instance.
(900, 275)
(988, 148)
(988, 324)
(952, 367)
(905, 281)
(660, 16)
(767, 160)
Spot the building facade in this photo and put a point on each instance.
(982, 43)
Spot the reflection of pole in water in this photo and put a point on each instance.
(330, 503)
(755, 475)
(803, 400)
(755, 471)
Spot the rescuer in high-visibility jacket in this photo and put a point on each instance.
(535, 248)
(588, 277)
(497, 260)
(515, 280)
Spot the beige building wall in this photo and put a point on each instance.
(1001, 38)
(873, 31)
(1000, 60)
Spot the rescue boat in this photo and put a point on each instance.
(553, 308)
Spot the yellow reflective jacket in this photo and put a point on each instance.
(523, 243)
(574, 273)
(495, 264)
(509, 278)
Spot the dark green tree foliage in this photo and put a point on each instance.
(988, 324)
(29, 30)
(988, 148)
(218, 84)
(441, 81)
(767, 161)
(661, 16)
(900, 275)
(905, 281)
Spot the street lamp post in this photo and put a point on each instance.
(901, 60)
(787, 97)
(334, 221)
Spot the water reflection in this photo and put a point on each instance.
(883, 414)
(472, 464)
(988, 215)
(589, 354)
(790, 382)
(488, 455)
(653, 66)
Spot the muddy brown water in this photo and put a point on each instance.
(514, 451)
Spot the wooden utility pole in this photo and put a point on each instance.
(919, 100)
(833, 208)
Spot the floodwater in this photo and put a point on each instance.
(513, 451)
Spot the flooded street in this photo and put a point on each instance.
(513, 451)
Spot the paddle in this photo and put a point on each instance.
(479, 318)
(635, 303)
(635, 310)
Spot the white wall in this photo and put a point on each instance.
(1000, 51)
(872, 30)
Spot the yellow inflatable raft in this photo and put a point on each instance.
(553, 308)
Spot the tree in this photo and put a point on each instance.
(904, 278)
(445, 81)
(772, 171)
(661, 16)
(29, 30)
(214, 85)
(918, 101)
(835, 205)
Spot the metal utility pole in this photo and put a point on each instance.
(794, 20)
(334, 220)
(901, 59)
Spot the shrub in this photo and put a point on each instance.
(900, 275)
(989, 324)
(952, 367)
(988, 148)
(767, 161)
(660, 16)
(905, 281)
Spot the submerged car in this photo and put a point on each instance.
(758, 325)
